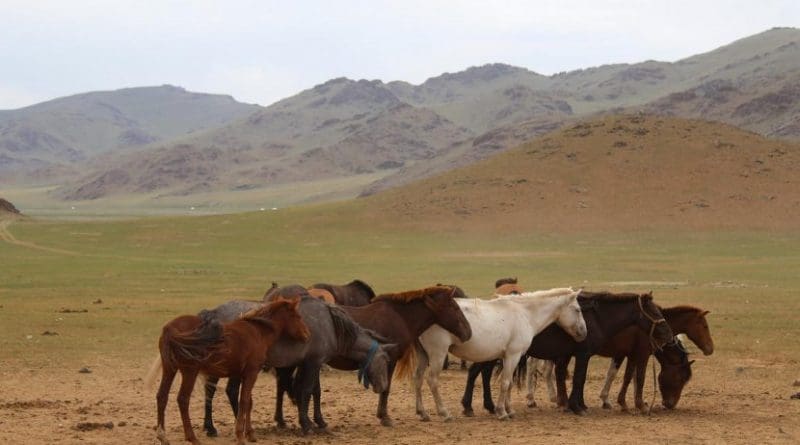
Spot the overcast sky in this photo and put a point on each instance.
(261, 51)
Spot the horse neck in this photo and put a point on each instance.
(415, 314)
(680, 323)
(543, 309)
(358, 351)
(616, 316)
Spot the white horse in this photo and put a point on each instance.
(501, 328)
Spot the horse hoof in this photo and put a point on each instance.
(606, 405)
(212, 432)
(321, 424)
(531, 404)
(424, 417)
(385, 421)
(448, 419)
(503, 417)
(511, 415)
(469, 413)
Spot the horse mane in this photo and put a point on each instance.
(411, 295)
(364, 286)
(345, 328)
(270, 291)
(503, 281)
(679, 310)
(262, 315)
(555, 292)
(458, 293)
(614, 297)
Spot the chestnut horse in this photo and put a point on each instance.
(507, 286)
(235, 349)
(606, 314)
(354, 293)
(633, 345)
(400, 318)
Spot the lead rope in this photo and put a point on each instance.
(653, 400)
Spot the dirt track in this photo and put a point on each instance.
(728, 401)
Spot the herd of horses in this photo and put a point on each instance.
(295, 330)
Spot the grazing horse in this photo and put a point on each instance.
(235, 349)
(635, 345)
(502, 328)
(333, 333)
(401, 318)
(606, 314)
(354, 293)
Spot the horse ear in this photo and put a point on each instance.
(705, 313)
(690, 362)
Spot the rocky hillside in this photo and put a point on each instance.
(62, 134)
(615, 172)
(392, 133)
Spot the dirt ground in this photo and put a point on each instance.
(729, 400)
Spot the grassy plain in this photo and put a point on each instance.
(133, 275)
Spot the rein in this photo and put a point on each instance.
(653, 324)
(362, 370)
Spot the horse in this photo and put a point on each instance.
(634, 345)
(235, 349)
(507, 286)
(400, 318)
(502, 328)
(354, 293)
(322, 294)
(606, 314)
(333, 333)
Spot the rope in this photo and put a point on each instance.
(653, 400)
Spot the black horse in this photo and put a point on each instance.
(606, 314)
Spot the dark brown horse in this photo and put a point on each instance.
(400, 318)
(635, 346)
(235, 349)
(606, 314)
(354, 293)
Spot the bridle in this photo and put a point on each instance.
(654, 322)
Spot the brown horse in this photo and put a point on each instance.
(354, 293)
(635, 345)
(507, 286)
(235, 349)
(400, 318)
(322, 294)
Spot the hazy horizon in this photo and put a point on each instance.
(261, 52)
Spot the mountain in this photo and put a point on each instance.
(615, 172)
(339, 128)
(66, 132)
(367, 136)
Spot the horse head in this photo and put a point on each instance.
(377, 365)
(570, 318)
(284, 313)
(676, 371)
(447, 312)
(698, 331)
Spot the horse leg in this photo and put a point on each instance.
(283, 382)
(531, 378)
(208, 418)
(626, 380)
(463, 365)
(578, 381)
(433, 384)
(232, 391)
(469, 388)
(549, 378)
(486, 381)
(383, 400)
(188, 377)
(503, 406)
(306, 379)
(419, 374)
(167, 377)
(561, 381)
(317, 394)
(243, 426)
(638, 390)
(613, 368)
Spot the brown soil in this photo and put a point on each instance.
(729, 400)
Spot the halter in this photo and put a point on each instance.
(362, 370)
(653, 324)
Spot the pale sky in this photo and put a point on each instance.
(262, 51)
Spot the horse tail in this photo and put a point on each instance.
(192, 346)
(150, 377)
(345, 328)
(407, 363)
